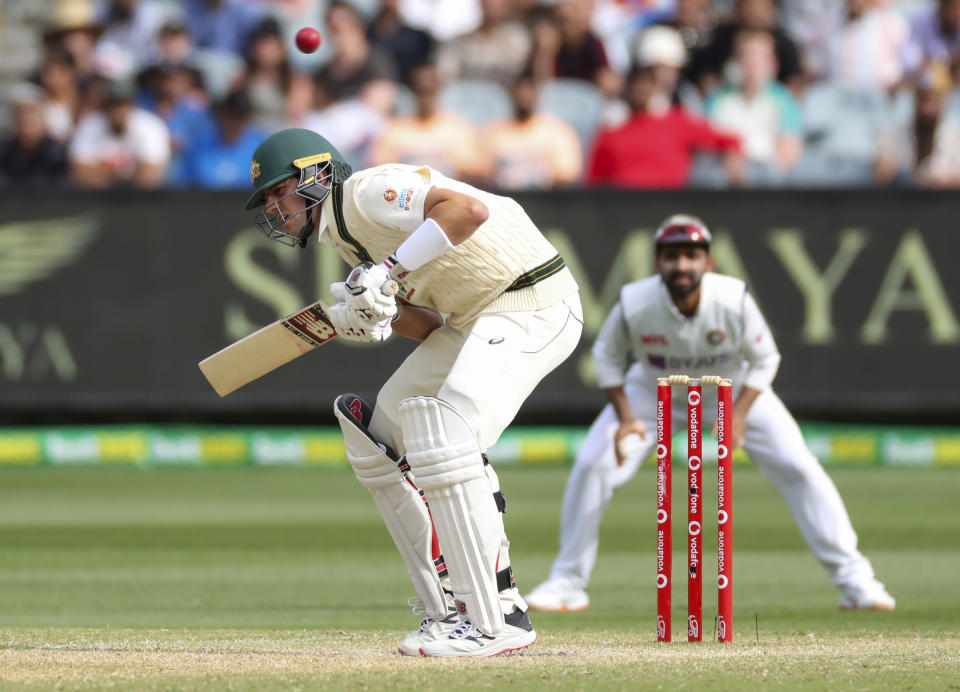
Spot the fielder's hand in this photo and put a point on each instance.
(371, 291)
(627, 440)
(352, 327)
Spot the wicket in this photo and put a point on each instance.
(694, 506)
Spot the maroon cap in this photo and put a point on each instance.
(683, 228)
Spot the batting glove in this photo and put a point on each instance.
(371, 291)
(352, 327)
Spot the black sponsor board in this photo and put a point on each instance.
(108, 301)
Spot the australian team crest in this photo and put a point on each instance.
(254, 170)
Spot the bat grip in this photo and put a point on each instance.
(394, 286)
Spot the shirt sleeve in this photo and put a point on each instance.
(83, 144)
(394, 198)
(151, 143)
(759, 349)
(611, 350)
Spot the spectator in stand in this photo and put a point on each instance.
(30, 156)
(172, 97)
(62, 98)
(813, 25)
(352, 123)
(409, 47)
(443, 141)
(760, 110)
(532, 150)
(268, 75)
(935, 35)
(497, 50)
(174, 42)
(293, 15)
(73, 27)
(655, 147)
(661, 49)
(355, 60)
(442, 19)
(223, 25)
(119, 144)
(870, 51)
(133, 26)
(223, 160)
(936, 130)
(694, 21)
(565, 46)
(710, 66)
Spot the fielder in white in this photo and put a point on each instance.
(513, 315)
(689, 321)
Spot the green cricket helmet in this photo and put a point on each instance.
(284, 154)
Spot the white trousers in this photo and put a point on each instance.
(773, 441)
(486, 371)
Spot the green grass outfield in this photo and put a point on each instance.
(286, 578)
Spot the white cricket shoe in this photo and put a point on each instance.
(557, 596)
(430, 629)
(867, 595)
(467, 640)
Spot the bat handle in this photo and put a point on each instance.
(395, 270)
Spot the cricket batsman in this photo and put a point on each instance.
(687, 320)
(512, 315)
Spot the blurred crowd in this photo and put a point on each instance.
(509, 94)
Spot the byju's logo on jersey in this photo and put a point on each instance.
(715, 337)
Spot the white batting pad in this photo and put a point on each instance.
(401, 507)
(444, 454)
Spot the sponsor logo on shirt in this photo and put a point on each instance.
(715, 337)
(389, 194)
(405, 198)
(691, 363)
(658, 339)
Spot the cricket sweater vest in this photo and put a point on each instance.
(507, 265)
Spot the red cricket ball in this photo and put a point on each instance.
(308, 39)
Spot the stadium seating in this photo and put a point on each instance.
(578, 102)
(479, 101)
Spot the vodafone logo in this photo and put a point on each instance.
(693, 398)
(661, 451)
(722, 516)
(694, 463)
(662, 581)
(694, 528)
(662, 516)
(722, 452)
(722, 581)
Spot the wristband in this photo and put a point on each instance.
(426, 243)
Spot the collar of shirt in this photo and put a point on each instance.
(671, 306)
(323, 228)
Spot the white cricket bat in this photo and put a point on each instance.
(268, 348)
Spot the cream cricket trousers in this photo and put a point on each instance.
(485, 370)
(773, 442)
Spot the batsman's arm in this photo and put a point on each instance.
(416, 321)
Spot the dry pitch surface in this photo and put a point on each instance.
(163, 659)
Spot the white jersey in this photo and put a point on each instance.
(507, 265)
(646, 337)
